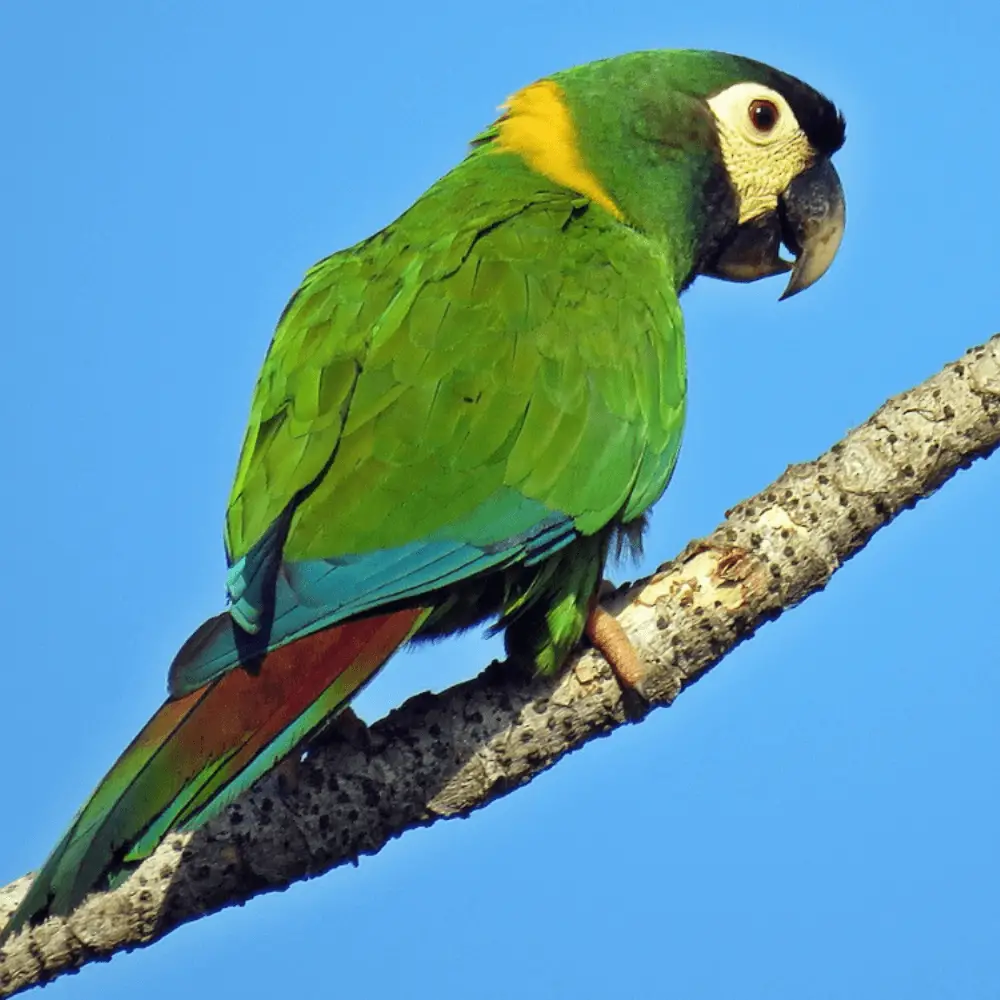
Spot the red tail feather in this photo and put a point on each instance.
(200, 750)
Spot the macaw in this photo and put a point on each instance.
(459, 417)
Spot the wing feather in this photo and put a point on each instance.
(418, 381)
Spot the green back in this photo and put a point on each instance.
(505, 333)
(502, 335)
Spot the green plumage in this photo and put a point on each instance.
(536, 345)
(459, 416)
(431, 380)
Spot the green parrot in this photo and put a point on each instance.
(461, 416)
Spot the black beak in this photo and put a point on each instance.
(809, 220)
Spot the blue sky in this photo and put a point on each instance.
(818, 817)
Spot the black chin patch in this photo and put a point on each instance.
(751, 251)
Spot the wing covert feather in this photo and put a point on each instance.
(538, 347)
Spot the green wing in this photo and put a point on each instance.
(425, 386)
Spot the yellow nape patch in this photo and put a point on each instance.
(538, 127)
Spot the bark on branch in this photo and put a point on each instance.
(444, 755)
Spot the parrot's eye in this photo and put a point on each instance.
(763, 114)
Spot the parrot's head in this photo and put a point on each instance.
(724, 157)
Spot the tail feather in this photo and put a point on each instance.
(203, 749)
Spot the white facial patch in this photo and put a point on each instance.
(762, 145)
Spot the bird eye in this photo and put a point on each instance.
(763, 115)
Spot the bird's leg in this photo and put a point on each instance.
(609, 639)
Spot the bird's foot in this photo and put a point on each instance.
(610, 640)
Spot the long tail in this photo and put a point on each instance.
(201, 750)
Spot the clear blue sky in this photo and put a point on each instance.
(819, 817)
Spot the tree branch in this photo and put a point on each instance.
(444, 755)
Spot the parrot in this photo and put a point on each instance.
(463, 417)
